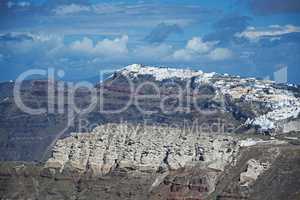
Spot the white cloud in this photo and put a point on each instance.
(11, 4)
(51, 50)
(25, 43)
(118, 45)
(196, 44)
(100, 8)
(220, 54)
(196, 48)
(183, 54)
(107, 47)
(256, 34)
(85, 45)
(53, 46)
(104, 8)
(71, 9)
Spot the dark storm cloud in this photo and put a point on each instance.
(226, 28)
(162, 31)
(3, 3)
(268, 7)
(9, 37)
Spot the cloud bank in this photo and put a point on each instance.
(196, 48)
(113, 48)
(254, 34)
(162, 31)
(269, 7)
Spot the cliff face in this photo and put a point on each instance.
(237, 104)
(25, 136)
(179, 138)
(258, 103)
(265, 170)
(182, 164)
(144, 148)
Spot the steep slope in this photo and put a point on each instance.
(261, 104)
(152, 95)
(144, 148)
(115, 164)
(25, 136)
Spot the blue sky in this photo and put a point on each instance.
(244, 37)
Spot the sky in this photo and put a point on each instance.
(82, 37)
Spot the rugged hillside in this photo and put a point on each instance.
(25, 136)
(179, 97)
(145, 148)
(258, 103)
(115, 163)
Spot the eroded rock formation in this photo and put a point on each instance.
(147, 148)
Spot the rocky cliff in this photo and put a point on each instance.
(144, 148)
(109, 164)
(179, 96)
